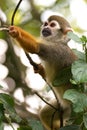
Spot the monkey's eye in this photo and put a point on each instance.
(53, 24)
(45, 24)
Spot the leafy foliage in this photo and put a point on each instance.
(78, 99)
(24, 128)
(85, 119)
(36, 125)
(8, 105)
(77, 96)
(77, 75)
(79, 71)
(71, 127)
(74, 37)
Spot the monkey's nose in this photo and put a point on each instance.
(46, 32)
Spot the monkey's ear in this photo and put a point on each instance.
(66, 30)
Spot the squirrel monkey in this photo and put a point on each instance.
(55, 56)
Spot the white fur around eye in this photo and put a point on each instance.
(55, 24)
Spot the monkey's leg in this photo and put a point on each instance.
(47, 119)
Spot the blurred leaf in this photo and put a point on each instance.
(77, 118)
(1, 126)
(1, 112)
(36, 125)
(85, 119)
(8, 104)
(32, 28)
(79, 71)
(18, 16)
(6, 4)
(73, 82)
(62, 3)
(71, 127)
(74, 37)
(83, 39)
(1, 87)
(79, 54)
(79, 100)
(62, 77)
(7, 100)
(24, 128)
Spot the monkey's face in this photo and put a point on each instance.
(55, 29)
(51, 30)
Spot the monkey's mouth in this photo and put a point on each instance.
(46, 32)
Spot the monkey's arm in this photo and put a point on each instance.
(26, 40)
(46, 52)
(28, 43)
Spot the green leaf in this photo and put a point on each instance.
(8, 104)
(74, 37)
(71, 127)
(80, 55)
(79, 71)
(36, 125)
(85, 119)
(1, 87)
(24, 128)
(73, 82)
(83, 39)
(78, 99)
(1, 126)
(62, 77)
(7, 100)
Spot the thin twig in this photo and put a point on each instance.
(61, 116)
(45, 101)
(35, 65)
(59, 108)
(53, 92)
(4, 29)
(13, 16)
(52, 118)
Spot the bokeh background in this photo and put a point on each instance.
(16, 73)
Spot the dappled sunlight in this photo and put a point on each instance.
(10, 67)
(34, 80)
(10, 83)
(79, 13)
(18, 94)
(8, 127)
(34, 103)
(3, 72)
(3, 47)
(45, 2)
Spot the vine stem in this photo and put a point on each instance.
(45, 101)
(13, 16)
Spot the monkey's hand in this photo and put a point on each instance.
(13, 31)
(26, 40)
(40, 70)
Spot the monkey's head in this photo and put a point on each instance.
(55, 29)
